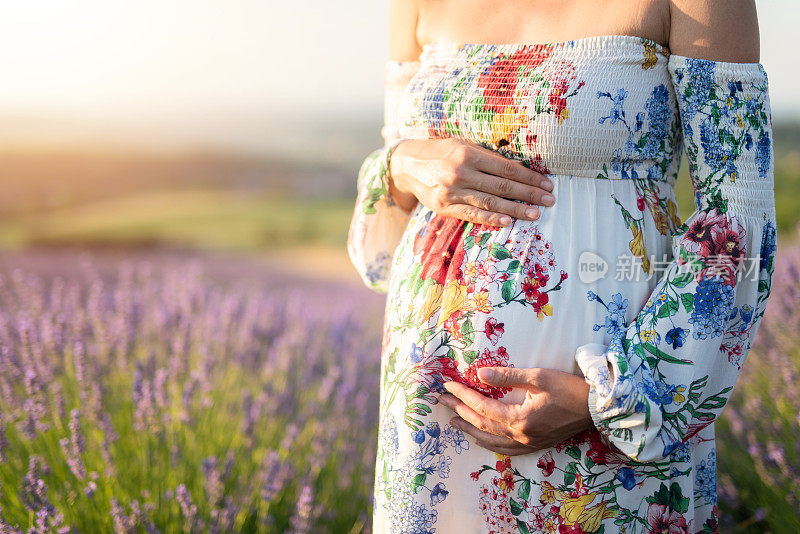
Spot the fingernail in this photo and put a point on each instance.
(547, 184)
(532, 213)
(548, 198)
(505, 220)
(485, 374)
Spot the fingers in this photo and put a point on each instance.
(496, 204)
(497, 165)
(487, 440)
(506, 188)
(484, 406)
(530, 378)
(476, 215)
(475, 419)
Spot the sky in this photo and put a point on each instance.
(111, 58)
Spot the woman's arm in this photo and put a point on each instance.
(670, 372)
(381, 212)
(452, 177)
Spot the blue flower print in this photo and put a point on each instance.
(627, 476)
(767, 244)
(438, 494)
(675, 337)
(617, 112)
(706, 479)
(416, 353)
(433, 429)
(712, 303)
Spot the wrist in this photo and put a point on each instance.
(395, 177)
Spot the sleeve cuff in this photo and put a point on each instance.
(592, 361)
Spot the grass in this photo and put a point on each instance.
(197, 217)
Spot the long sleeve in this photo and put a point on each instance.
(670, 371)
(378, 222)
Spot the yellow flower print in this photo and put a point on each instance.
(433, 300)
(649, 336)
(481, 299)
(470, 270)
(573, 508)
(591, 518)
(563, 115)
(672, 211)
(504, 125)
(650, 58)
(678, 397)
(638, 248)
(662, 223)
(454, 298)
(574, 511)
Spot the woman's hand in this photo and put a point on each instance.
(555, 408)
(461, 179)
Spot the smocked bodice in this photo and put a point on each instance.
(596, 107)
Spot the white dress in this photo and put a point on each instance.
(607, 284)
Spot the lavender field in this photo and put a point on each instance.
(200, 393)
(154, 396)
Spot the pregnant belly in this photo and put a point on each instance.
(463, 296)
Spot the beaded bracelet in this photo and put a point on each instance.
(387, 169)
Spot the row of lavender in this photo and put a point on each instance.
(156, 401)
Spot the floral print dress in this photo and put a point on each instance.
(657, 315)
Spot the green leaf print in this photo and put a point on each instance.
(569, 473)
(508, 290)
(524, 490)
(470, 356)
(668, 308)
(688, 301)
(499, 252)
(516, 508)
(514, 267)
(418, 482)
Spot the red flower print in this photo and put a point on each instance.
(575, 529)
(661, 520)
(600, 453)
(499, 81)
(475, 475)
(493, 330)
(546, 464)
(441, 245)
(449, 371)
(498, 358)
(698, 238)
(716, 239)
(452, 326)
(503, 464)
(728, 251)
(508, 478)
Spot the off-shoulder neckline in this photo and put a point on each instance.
(594, 42)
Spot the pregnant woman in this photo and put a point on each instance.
(557, 343)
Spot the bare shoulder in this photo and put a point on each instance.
(403, 16)
(720, 30)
